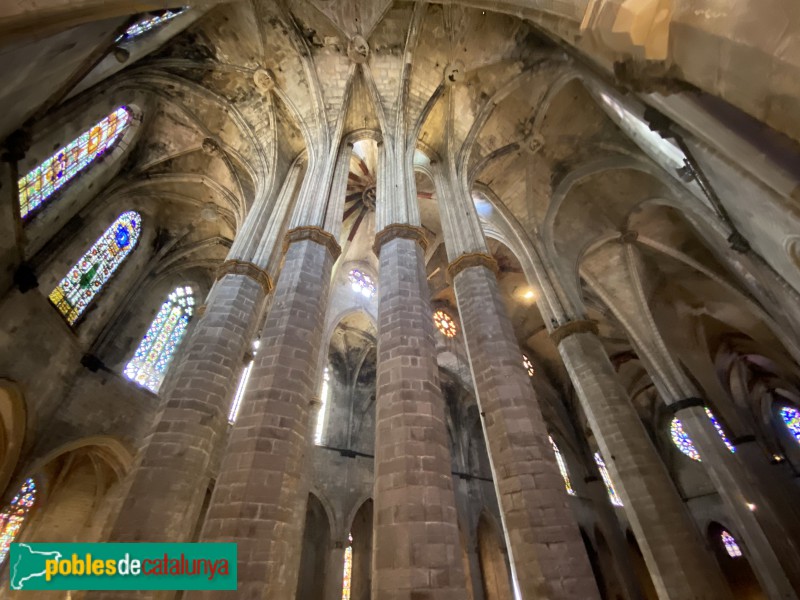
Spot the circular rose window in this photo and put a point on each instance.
(444, 323)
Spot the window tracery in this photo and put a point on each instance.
(684, 443)
(682, 440)
(88, 276)
(791, 418)
(562, 467)
(13, 517)
(43, 181)
(149, 364)
(148, 23)
(444, 323)
(612, 491)
(731, 547)
(362, 283)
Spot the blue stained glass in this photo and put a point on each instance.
(149, 23)
(123, 236)
(13, 517)
(731, 547)
(157, 348)
(791, 418)
(720, 430)
(612, 491)
(684, 443)
(88, 276)
(43, 181)
(681, 439)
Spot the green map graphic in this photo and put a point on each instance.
(29, 564)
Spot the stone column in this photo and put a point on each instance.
(615, 537)
(617, 273)
(170, 478)
(11, 239)
(544, 542)
(546, 553)
(417, 551)
(259, 499)
(168, 483)
(680, 565)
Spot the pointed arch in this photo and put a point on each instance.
(42, 182)
(13, 517)
(491, 556)
(157, 348)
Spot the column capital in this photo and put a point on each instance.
(200, 310)
(248, 269)
(559, 334)
(472, 259)
(680, 405)
(399, 230)
(315, 234)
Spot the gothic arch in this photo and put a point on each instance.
(13, 425)
(493, 560)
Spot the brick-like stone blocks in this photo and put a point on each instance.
(680, 565)
(171, 476)
(259, 501)
(417, 552)
(545, 543)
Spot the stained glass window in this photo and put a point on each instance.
(684, 443)
(526, 362)
(149, 23)
(731, 547)
(237, 398)
(612, 491)
(562, 466)
(86, 278)
(444, 323)
(13, 517)
(347, 576)
(720, 430)
(149, 365)
(681, 439)
(362, 283)
(38, 185)
(323, 399)
(791, 417)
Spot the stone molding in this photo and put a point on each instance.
(472, 259)
(248, 269)
(559, 334)
(692, 402)
(399, 230)
(316, 235)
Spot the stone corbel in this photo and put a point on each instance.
(316, 235)
(248, 269)
(399, 230)
(561, 333)
(471, 259)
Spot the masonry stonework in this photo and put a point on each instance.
(545, 544)
(417, 553)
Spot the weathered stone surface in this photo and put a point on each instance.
(545, 544)
(259, 499)
(679, 563)
(417, 550)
